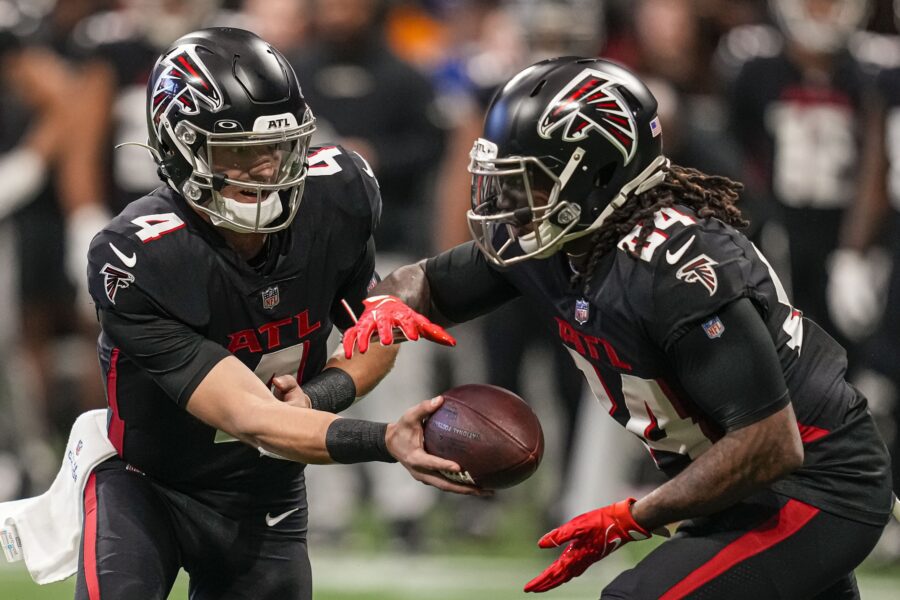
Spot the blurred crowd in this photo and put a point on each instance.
(798, 99)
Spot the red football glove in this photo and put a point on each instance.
(383, 313)
(594, 535)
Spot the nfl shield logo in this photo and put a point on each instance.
(582, 311)
(714, 328)
(270, 297)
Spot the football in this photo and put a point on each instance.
(488, 431)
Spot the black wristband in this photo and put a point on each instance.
(353, 441)
(332, 390)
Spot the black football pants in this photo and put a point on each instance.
(766, 548)
(138, 534)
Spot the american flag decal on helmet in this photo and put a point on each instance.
(700, 269)
(115, 278)
(183, 84)
(590, 102)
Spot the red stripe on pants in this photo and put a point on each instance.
(89, 550)
(789, 520)
(116, 431)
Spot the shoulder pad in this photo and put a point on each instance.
(145, 259)
(346, 176)
(697, 271)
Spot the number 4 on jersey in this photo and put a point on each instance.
(153, 227)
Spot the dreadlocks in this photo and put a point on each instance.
(709, 195)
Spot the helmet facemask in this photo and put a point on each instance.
(246, 181)
(516, 206)
(517, 213)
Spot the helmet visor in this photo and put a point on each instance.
(262, 164)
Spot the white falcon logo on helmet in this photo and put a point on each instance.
(590, 102)
(184, 84)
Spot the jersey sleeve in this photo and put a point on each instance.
(464, 285)
(729, 366)
(175, 356)
(152, 310)
(695, 274)
(123, 270)
(351, 183)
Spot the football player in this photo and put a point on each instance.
(209, 291)
(797, 111)
(684, 333)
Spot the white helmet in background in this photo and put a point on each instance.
(822, 26)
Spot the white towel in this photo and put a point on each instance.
(45, 531)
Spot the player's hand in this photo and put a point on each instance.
(593, 535)
(856, 291)
(406, 442)
(382, 314)
(286, 389)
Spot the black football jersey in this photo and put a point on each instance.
(166, 285)
(622, 334)
(802, 136)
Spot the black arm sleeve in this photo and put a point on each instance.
(464, 286)
(736, 378)
(175, 356)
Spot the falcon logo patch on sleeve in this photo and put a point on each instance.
(700, 270)
(115, 278)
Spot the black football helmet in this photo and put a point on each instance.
(228, 124)
(566, 142)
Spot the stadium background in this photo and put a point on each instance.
(404, 83)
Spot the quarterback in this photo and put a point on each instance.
(211, 291)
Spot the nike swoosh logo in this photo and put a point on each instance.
(674, 257)
(129, 261)
(273, 521)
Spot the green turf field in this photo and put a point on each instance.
(366, 576)
(451, 564)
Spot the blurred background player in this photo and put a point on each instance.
(797, 112)
(863, 291)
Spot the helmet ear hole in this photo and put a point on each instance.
(604, 175)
